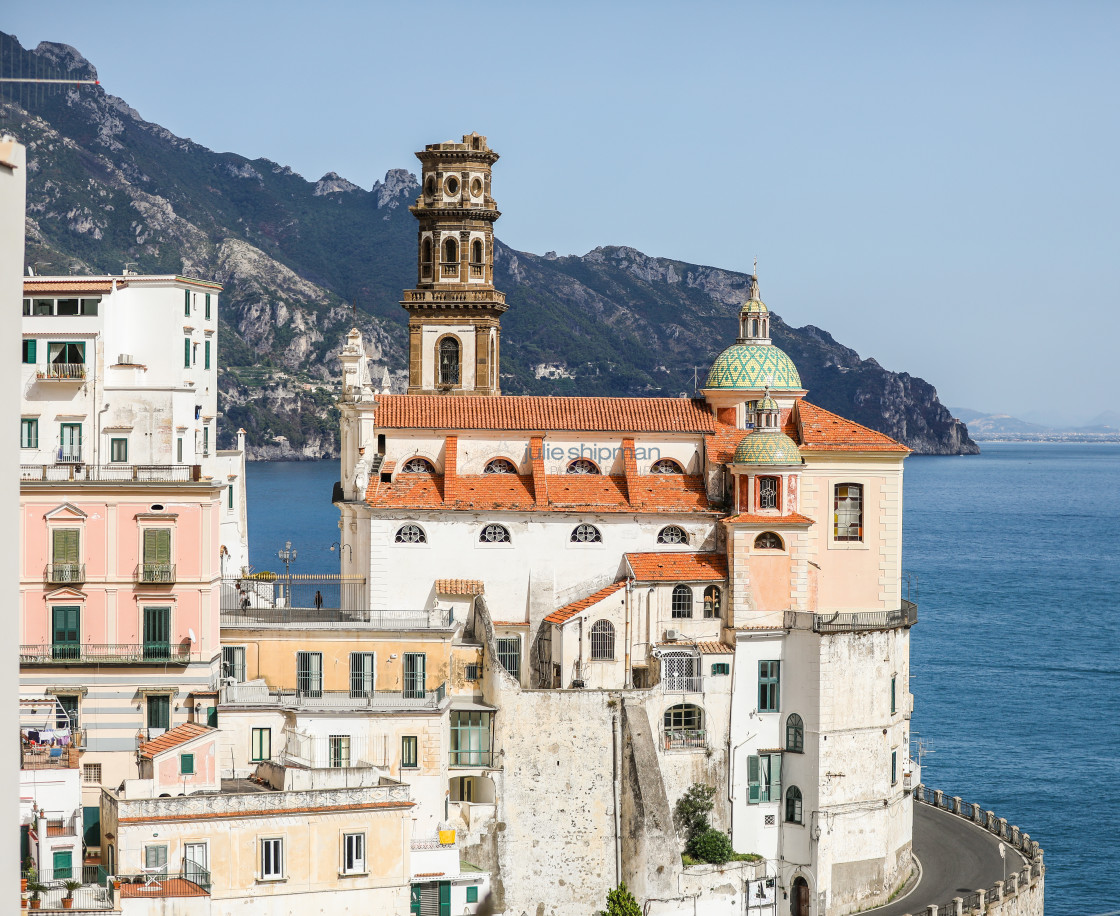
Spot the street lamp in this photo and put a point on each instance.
(288, 557)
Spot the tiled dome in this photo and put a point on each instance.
(753, 366)
(767, 448)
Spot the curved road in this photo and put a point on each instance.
(957, 858)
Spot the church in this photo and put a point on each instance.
(647, 593)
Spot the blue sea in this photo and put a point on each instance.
(1014, 661)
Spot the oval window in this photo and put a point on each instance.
(452, 185)
(476, 187)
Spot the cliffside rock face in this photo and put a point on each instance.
(302, 262)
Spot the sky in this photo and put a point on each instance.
(934, 184)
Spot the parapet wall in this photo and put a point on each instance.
(1022, 894)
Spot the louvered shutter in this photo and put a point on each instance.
(753, 792)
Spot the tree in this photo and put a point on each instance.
(711, 846)
(620, 902)
(692, 810)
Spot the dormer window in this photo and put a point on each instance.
(499, 466)
(666, 466)
(418, 466)
(582, 466)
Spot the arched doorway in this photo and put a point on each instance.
(799, 897)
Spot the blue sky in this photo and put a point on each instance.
(934, 184)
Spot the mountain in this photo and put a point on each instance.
(302, 261)
(1003, 427)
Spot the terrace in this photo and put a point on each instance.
(71, 470)
(108, 654)
(262, 695)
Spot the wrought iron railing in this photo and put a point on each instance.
(107, 653)
(678, 739)
(155, 573)
(905, 616)
(262, 695)
(60, 573)
(42, 757)
(71, 470)
(167, 883)
(69, 454)
(675, 683)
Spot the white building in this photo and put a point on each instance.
(666, 592)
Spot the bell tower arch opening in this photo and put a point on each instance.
(454, 310)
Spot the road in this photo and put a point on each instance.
(957, 858)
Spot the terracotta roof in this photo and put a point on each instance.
(723, 442)
(568, 611)
(459, 586)
(676, 567)
(714, 648)
(180, 734)
(770, 521)
(402, 411)
(510, 623)
(35, 286)
(824, 431)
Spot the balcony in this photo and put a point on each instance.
(71, 470)
(155, 573)
(476, 271)
(447, 270)
(336, 619)
(192, 881)
(675, 683)
(685, 739)
(62, 372)
(342, 700)
(51, 758)
(108, 654)
(864, 621)
(64, 573)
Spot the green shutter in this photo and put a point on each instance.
(186, 303)
(207, 305)
(892, 696)
(186, 352)
(754, 792)
(414, 899)
(157, 546)
(63, 862)
(186, 764)
(206, 349)
(65, 545)
(157, 632)
(91, 817)
(29, 350)
(445, 898)
(776, 777)
(472, 893)
(65, 632)
(212, 716)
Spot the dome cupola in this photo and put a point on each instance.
(753, 362)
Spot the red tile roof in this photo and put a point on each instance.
(510, 623)
(568, 611)
(40, 286)
(402, 411)
(723, 442)
(677, 567)
(704, 647)
(180, 734)
(770, 521)
(820, 430)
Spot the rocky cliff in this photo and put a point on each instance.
(303, 261)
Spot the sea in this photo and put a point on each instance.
(1015, 660)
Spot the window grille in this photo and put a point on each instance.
(411, 534)
(583, 466)
(795, 734)
(449, 357)
(602, 641)
(671, 534)
(848, 512)
(712, 602)
(666, 466)
(91, 774)
(770, 820)
(768, 541)
(309, 673)
(233, 662)
(509, 655)
(499, 466)
(494, 534)
(682, 602)
(415, 675)
(418, 466)
(339, 750)
(362, 673)
(473, 672)
(586, 534)
(768, 492)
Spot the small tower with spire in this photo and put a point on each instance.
(454, 327)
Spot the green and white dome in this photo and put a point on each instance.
(754, 366)
(767, 447)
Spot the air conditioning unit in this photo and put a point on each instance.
(125, 359)
(672, 635)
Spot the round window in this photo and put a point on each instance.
(476, 187)
(452, 185)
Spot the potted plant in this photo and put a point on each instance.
(36, 889)
(71, 886)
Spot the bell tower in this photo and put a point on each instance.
(454, 328)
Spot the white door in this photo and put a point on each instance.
(196, 863)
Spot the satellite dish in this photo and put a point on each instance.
(190, 633)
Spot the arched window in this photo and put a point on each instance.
(795, 734)
(768, 541)
(450, 251)
(754, 327)
(602, 641)
(476, 252)
(494, 534)
(671, 534)
(666, 466)
(682, 601)
(684, 727)
(411, 534)
(582, 466)
(712, 601)
(848, 512)
(586, 534)
(426, 251)
(499, 466)
(418, 466)
(768, 491)
(449, 361)
(793, 805)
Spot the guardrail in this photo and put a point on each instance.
(863, 621)
(311, 618)
(155, 573)
(262, 695)
(107, 653)
(188, 882)
(62, 573)
(71, 470)
(1020, 881)
(677, 739)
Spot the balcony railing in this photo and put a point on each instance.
(677, 684)
(63, 372)
(679, 739)
(262, 695)
(471, 758)
(192, 881)
(449, 270)
(91, 874)
(336, 619)
(905, 616)
(476, 270)
(155, 573)
(51, 758)
(107, 654)
(60, 573)
(70, 469)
